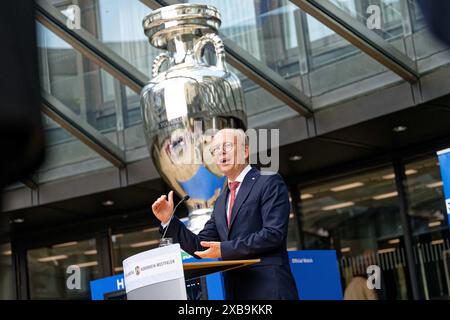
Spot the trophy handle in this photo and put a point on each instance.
(218, 46)
(157, 63)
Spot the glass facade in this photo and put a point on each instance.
(358, 216)
(86, 89)
(7, 287)
(355, 213)
(293, 239)
(429, 226)
(127, 244)
(66, 155)
(312, 58)
(49, 272)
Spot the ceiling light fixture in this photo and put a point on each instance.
(144, 244)
(392, 175)
(17, 220)
(386, 250)
(435, 185)
(435, 242)
(347, 186)
(151, 229)
(108, 203)
(306, 196)
(385, 195)
(398, 129)
(67, 244)
(53, 258)
(434, 224)
(295, 157)
(338, 206)
(87, 264)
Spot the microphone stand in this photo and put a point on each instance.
(186, 197)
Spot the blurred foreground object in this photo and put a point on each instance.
(21, 135)
(437, 15)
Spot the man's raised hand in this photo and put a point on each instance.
(162, 208)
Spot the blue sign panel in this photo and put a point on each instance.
(214, 282)
(444, 163)
(106, 285)
(316, 273)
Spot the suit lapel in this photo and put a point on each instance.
(243, 193)
(221, 211)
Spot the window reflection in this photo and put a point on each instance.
(6, 273)
(358, 216)
(47, 270)
(292, 235)
(127, 244)
(429, 226)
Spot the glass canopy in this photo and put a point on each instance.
(307, 58)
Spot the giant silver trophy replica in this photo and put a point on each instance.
(183, 105)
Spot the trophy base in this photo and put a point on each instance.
(198, 218)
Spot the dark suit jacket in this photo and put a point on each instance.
(259, 224)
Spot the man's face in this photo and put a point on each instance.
(229, 153)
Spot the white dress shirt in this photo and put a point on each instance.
(239, 179)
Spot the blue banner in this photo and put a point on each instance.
(106, 285)
(444, 163)
(316, 273)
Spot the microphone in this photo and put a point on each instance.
(185, 198)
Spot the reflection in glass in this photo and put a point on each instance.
(127, 244)
(392, 18)
(47, 270)
(76, 82)
(6, 273)
(292, 236)
(66, 155)
(264, 29)
(403, 26)
(92, 94)
(429, 226)
(118, 25)
(358, 216)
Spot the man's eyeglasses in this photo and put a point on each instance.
(216, 149)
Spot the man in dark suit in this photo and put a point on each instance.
(250, 220)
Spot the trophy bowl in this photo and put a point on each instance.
(185, 104)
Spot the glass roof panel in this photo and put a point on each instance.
(310, 56)
(66, 156)
(400, 23)
(89, 91)
(118, 25)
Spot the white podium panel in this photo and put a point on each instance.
(155, 274)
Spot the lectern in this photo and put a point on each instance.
(155, 274)
(159, 274)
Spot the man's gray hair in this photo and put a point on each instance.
(239, 133)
